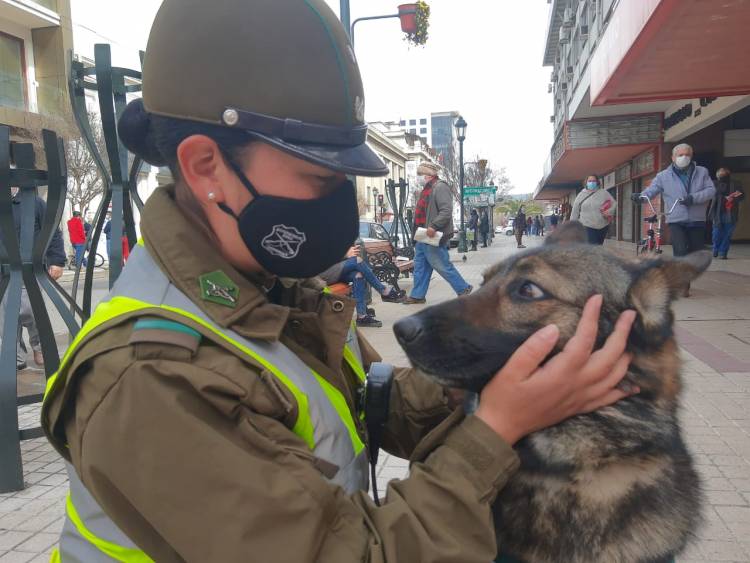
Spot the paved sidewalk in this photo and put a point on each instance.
(713, 330)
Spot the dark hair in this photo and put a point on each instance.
(155, 138)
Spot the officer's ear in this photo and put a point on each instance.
(203, 168)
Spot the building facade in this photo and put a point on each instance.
(444, 136)
(394, 157)
(35, 37)
(421, 126)
(630, 80)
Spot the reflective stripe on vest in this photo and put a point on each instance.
(324, 419)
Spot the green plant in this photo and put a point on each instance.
(420, 36)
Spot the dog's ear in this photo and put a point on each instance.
(657, 283)
(570, 232)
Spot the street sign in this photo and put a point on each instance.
(480, 196)
(479, 190)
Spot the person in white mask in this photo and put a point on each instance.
(691, 185)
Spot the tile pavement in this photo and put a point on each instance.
(715, 418)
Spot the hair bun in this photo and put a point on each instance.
(134, 129)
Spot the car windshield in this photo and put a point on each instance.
(364, 230)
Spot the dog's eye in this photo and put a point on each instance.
(529, 290)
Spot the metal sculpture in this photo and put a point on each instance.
(120, 181)
(397, 202)
(23, 267)
(23, 260)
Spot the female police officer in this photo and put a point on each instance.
(208, 409)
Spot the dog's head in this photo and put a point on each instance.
(464, 342)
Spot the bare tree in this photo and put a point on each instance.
(85, 182)
(477, 172)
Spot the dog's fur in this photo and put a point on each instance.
(616, 485)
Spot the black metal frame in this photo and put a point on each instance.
(120, 182)
(398, 203)
(23, 260)
(23, 266)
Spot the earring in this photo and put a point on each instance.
(211, 196)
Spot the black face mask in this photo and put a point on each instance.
(297, 238)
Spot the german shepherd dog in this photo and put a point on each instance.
(616, 485)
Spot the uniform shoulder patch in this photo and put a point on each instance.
(164, 331)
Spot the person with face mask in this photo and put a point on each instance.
(689, 184)
(434, 212)
(594, 208)
(211, 408)
(723, 211)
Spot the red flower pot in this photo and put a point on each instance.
(407, 13)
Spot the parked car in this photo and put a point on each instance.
(369, 230)
(508, 229)
(402, 236)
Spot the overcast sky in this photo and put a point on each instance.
(483, 58)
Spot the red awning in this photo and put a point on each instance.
(671, 50)
(574, 165)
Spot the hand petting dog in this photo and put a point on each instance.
(526, 396)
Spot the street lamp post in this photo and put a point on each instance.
(375, 204)
(346, 16)
(461, 130)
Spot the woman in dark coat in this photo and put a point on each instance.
(473, 227)
(484, 228)
(519, 225)
(723, 211)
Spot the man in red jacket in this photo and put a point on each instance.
(77, 236)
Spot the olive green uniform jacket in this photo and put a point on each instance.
(189, 449)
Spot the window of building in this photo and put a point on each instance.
(423, 131)
(402, 123)
(412, 122)
(12, 72)
(413, 131)
(423, 122)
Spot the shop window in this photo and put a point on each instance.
(12, 72)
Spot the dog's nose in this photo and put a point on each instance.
(408, 329)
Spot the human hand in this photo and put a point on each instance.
(353, 251)
(55, 272)
(524, 397)
(431, 232)
(687, 200)
(735, 194)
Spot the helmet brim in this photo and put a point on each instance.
(359, 160)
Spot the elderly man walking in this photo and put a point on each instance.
(434, 212)
(691, 185)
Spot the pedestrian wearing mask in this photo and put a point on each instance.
(691, 185)
(723, 211)
(594, 208)
(434, 212)
(209, 409)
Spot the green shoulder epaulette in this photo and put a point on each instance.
(163, 331)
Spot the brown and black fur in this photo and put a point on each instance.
(616, 485)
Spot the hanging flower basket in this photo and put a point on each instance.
(415, 22)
